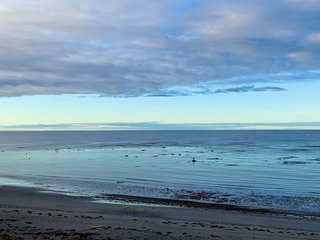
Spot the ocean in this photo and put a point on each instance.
(271, 169)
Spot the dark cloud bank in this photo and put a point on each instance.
(147, 48)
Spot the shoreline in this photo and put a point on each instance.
(128, 199)
(29, 213)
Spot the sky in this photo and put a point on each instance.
(169, 64)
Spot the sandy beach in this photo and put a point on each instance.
(28, 213)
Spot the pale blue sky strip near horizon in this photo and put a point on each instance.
(181, 64)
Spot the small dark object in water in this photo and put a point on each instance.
(294, 162)
(193, 160)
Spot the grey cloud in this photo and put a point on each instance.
(143, 48)
(249, 89)
(203, 89)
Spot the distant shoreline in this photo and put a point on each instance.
(157, 130)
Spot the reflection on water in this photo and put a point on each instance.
(274, 169)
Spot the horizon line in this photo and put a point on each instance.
(153, 126)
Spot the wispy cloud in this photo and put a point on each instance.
(148, 48)
(248, 89)
(206, 88)
(163, 126)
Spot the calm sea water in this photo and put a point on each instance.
(269, 169)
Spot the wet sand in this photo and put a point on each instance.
(27, 213)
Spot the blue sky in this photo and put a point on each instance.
(171, 64)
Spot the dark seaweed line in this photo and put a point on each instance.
(202, 205)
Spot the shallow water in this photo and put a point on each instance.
(269, 169)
